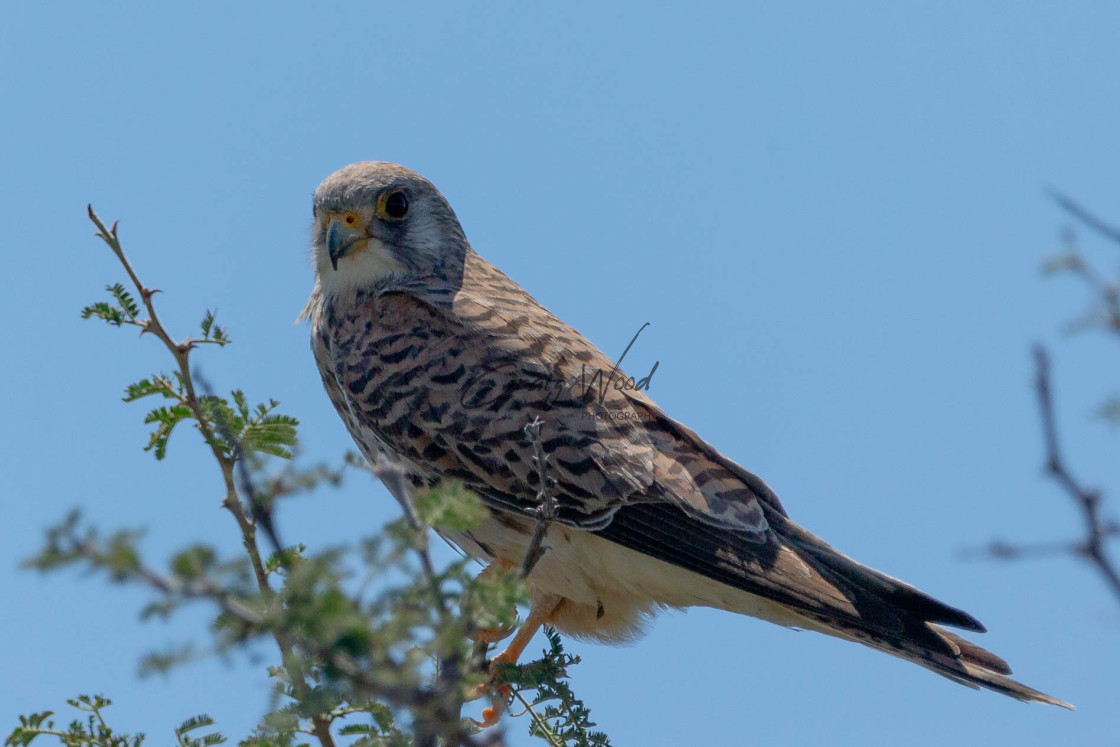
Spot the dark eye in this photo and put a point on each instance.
(396, 205)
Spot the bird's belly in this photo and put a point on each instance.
(610, 592)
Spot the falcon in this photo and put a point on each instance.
(438, 361)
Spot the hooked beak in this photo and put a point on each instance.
(342, 239)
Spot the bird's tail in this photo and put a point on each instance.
(915, 634)
(794, 578)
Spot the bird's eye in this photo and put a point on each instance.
(393, 206)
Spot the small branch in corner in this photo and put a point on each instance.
(546, 499)
(1084, 216)
(1098, 530)
(1106, 310)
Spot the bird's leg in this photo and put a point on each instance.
(540, 612)
(498, 632)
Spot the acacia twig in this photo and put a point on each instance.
(260, 508)
(386, 684)
(181, 353)
(232, 500)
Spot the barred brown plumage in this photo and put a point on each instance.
(436, 359)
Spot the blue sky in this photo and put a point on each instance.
(833, 220)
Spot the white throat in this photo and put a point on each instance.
(361, 269)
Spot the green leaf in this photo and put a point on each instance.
(195, 722)
(272, 436)
(122, 561)
(281, 722)
(158, 384)
(284, 558)
(227, 423)
(161, 662)
(450, 507)
(198, 722)
(124, 300)
(194, 562)
(30, 726)
(167, 418)
(102, 310)
(211, 332)
(125, 311)
(241, 402)
(207, 323)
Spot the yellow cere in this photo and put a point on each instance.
(351, 220)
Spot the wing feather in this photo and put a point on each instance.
(448, 383)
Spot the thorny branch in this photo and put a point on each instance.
(232, 501)
(358, 677)
(181, 352)
(260, 508)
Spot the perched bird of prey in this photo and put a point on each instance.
(436, 359)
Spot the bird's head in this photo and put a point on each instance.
(374, 220)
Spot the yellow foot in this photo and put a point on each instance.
(499, 702)
(501, 694)
(479, 691)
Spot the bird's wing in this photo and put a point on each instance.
(450, 387)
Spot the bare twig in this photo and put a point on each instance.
(1083, 215)
(1098, 530)
(1088, 500)
(999, 549)
(1107, 291)
(546, 500)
